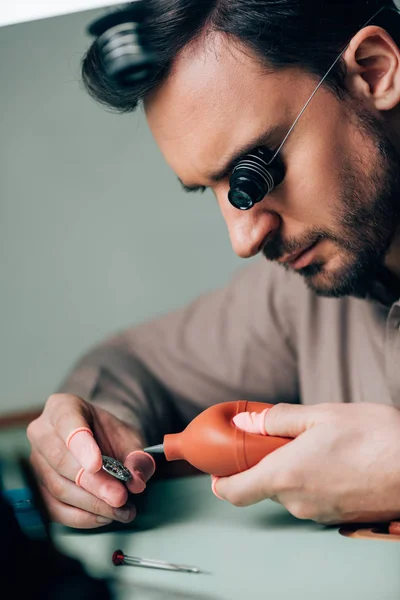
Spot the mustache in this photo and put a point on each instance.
(277, 247)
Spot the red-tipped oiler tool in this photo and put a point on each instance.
(119, 558)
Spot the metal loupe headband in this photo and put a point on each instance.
(122, 44)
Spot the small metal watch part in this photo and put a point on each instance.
(116, 469)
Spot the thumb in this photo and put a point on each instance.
(282, 420)
(142, 466)
(127, 445)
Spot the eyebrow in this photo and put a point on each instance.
(266, 139)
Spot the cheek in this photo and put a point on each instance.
(312, 188)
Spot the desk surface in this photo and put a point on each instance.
(255, 552)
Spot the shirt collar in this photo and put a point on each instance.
(385, 288)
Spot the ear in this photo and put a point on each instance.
(373, 68)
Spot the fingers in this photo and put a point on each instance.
(290, 420)
(271, 479)
(70, 422)
(71, 516)
(214, 480)
(75, 516)
(125, 448)
(142, 466)
(394, 528)
(80, 442)
(68, 462)
(100, 484)
(282, 420)
(245, 488)
(63, 496)
(251, 422)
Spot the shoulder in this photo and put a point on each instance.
(271, 287)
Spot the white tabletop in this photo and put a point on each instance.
(245, 553)
(256, 552)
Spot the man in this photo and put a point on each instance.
(317, 335)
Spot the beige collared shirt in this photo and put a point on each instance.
(264, 337)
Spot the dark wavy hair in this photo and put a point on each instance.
(282, 33)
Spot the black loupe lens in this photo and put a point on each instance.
(254, 177)
(245, 192)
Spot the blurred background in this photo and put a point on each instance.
(95, 232)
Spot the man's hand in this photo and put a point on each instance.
(343, 465)
(78, 492)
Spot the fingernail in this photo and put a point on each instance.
(394, 528)
(124, 514)
(139, 479)
(109, 496)
(251, 422)
(139, 475)
(137, 484)
(141, 462)
(103, 520)
(213, 484)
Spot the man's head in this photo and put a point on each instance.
(234, 74)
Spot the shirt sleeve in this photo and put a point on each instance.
(237, 342)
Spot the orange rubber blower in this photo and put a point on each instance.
(213, 444)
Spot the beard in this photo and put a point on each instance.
(367, 217)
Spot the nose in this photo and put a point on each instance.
(249, 229)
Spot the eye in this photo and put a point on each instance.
(198, 188)
(194, 188)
